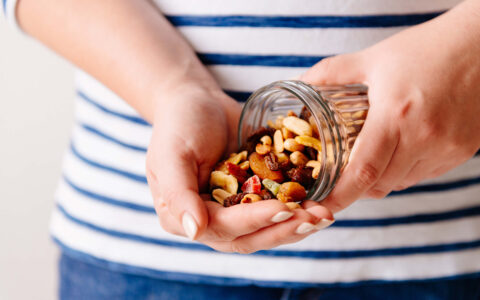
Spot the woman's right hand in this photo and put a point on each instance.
(193, 128)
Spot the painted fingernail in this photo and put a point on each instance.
(324, 223)
(282, 216)
(304, 228)
(189, 225)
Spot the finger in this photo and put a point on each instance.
(398, 168)
(228, 223)
(173, 179)
(341, 69)
(167, 221)
(295, 229)
(370, 156)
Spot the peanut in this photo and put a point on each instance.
(266, 140)
(309, 142)
(298, 158)
(278, 141)
(220, 195)
(279, 122)
(227, 182)
(250, 198)
(297, 126)
(292, 145)
(265, 146)
(282, 157)
(287, 134)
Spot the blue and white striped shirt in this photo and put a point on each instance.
(104, 211)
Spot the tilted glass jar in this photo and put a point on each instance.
(339, 111)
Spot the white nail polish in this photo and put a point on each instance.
(324, 223)
(282, 216)
(189, 225)
(305, 227)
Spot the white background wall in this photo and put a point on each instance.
(36, 93)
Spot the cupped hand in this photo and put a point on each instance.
(424, 117)
(192, 131)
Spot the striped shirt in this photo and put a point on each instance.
(104, 212)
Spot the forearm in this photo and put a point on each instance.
(127, 45)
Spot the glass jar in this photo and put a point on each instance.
(336, 113)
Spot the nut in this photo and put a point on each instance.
(316, 165)
(237, 158)
(293, 205)
(309, 142)
(297, 126)
(287, 134)
(244, 165)
(282, 157)
(266, 140)
(298, 158)
(227, 182)
(291, 113)
(278, 141)
(312, 122)
(291, 192)
(250, 198)
(263, 149)
(279, 122)
(220, 195)
(292, 145)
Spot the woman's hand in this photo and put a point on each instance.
(193, 129)
(424, 117)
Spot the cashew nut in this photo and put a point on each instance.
(227, 182)
(297, 126)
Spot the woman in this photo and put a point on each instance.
(420, 241)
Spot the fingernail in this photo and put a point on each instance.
(282, 216)
(189, 225)
(305, 227)
(324, 223)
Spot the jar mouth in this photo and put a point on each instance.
(328, 129)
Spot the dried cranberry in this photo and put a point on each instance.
(252, 185)
(238, 172)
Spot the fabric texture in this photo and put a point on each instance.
(104, 213)
(79, 280)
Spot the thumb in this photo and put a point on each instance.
(173, 182)
(340, 69)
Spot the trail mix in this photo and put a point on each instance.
(280, 161)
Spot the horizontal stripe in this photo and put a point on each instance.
(302, 7)
(231, 281)
(412, 190)
(238, 96)
(112, 139)
(293, 61)
(371, 21)
(267, 267)
(340, 238)
(4, 7)
(133, 119)
(345, 254)
(111, 169)
(108, 200)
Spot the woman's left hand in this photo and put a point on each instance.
(424, 93)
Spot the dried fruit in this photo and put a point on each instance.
(220, 195)
(266, 195)
(291, 192)
(301, 175)
(271, 185)
(259, 167)
(252, 185)
(224, 181)
(271, 161)
(309, 142)
(233, 200)
(237, 158)
(237, 172)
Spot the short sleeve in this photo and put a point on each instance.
(9, 11)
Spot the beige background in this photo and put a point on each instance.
(36, 92)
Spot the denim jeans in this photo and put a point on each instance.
(79, 280)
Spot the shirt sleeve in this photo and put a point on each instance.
(9, 9)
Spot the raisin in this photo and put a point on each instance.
(310, 153)
(233, 200)
(301, 175)
(305, 113)
(271, 161)
(266, 195)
